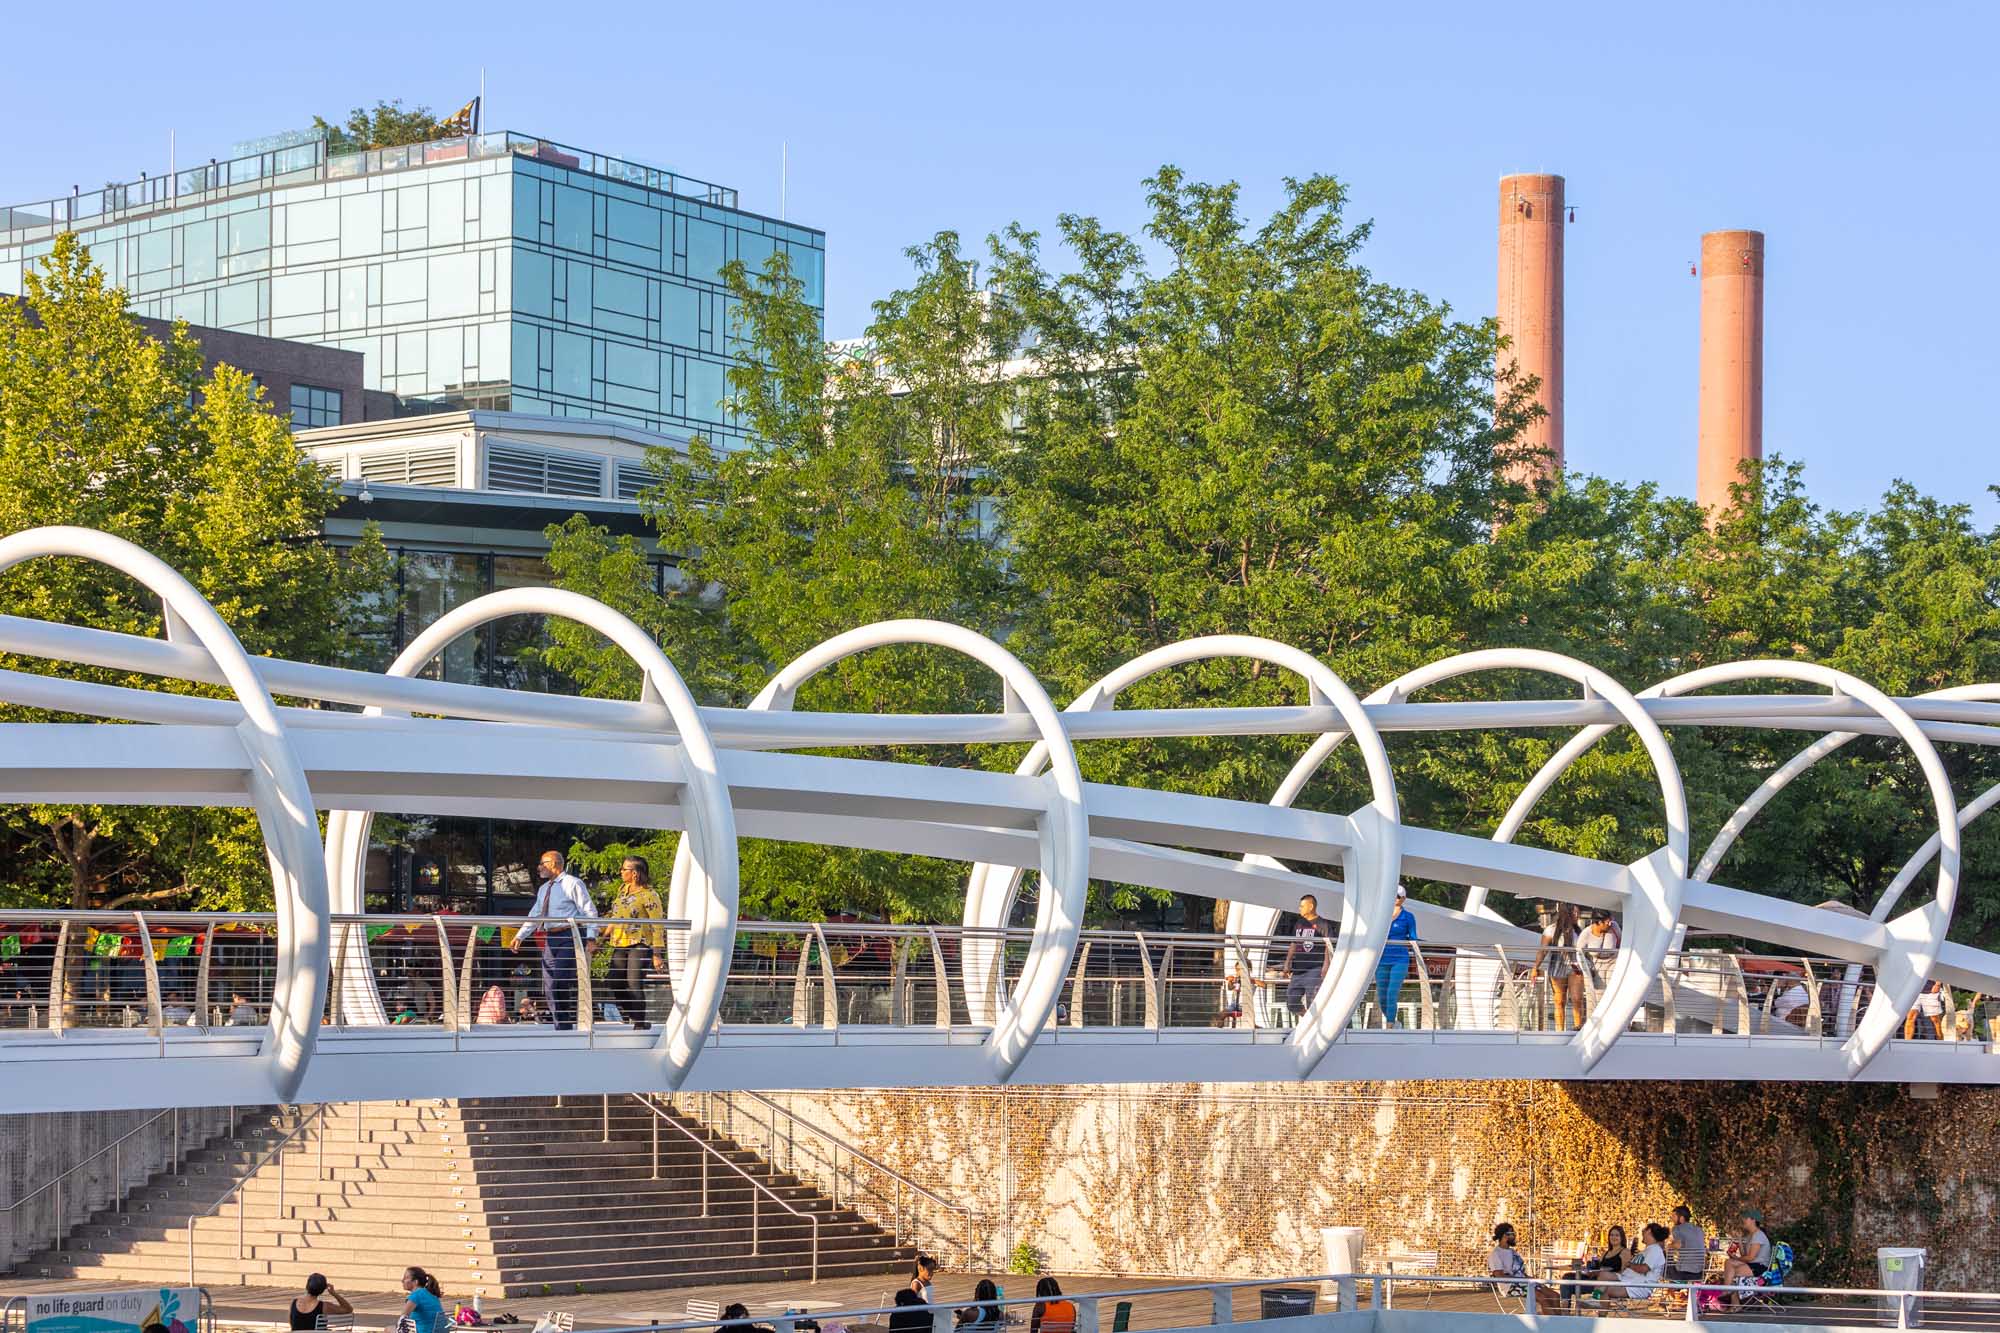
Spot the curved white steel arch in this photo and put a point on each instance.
(527, 754)
(1795, 767)
(1806, 758)
(1659, 887)
(277, 784)
(708, 850)
(1374, 866)
(1910, 952)
(1064, 824)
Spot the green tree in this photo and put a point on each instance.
(102, 426)
(1257, 438)
(855, 501)
(1252, 435)
(387, 124)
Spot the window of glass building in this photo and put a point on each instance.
(314, 406)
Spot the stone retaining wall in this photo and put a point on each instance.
(1198, 1181)
(34, 1148)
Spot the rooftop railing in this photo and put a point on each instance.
(302, 163)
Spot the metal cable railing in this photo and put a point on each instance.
(169, 980)
(894, 1192)
(117, 1150)
(317, 1117)
(757, 1188)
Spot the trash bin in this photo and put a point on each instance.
(1342, 1248)
(1285, 1302)
(1901, 1269)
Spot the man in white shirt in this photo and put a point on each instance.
(562, 896)
(1791, 1004)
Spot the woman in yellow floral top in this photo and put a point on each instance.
(630, 945)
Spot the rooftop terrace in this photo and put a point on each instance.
(304, 163)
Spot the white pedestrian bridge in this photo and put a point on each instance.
(319, 1001)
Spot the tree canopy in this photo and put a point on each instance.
(1229, 426)
(387, 124)
(103, 426)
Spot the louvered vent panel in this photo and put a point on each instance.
(512, 468)
(633, 478)
(435, 466)
(575, 476)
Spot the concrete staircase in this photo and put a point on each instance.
(503, 1198)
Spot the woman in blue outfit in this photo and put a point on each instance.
(1395, 964)
(425, 1304)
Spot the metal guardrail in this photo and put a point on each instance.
(903, 1191)
(309, 161)
(162, 973)
(117, 1150)
(757, 1187)
(277, 1150)
(158, 975)
(1352, 1291)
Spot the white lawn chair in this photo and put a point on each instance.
(1417, 1263)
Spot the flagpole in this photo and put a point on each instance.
(479, 116)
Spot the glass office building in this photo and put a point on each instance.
(494, 271)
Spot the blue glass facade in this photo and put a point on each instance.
(492, 271)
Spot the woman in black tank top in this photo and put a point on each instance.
(320, 1298)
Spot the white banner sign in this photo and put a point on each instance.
(172, 1309)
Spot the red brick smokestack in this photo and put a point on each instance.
(1732, 361)
(1531, 300)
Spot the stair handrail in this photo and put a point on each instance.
(840, 1145)
(756, 1234)
(117, 1150)
(318, 1116)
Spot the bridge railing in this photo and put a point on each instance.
(161, 975)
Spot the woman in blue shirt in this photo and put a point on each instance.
(1396, 954)
(425, 1301)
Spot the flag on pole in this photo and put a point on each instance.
(465, 120)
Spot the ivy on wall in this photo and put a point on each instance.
(1198, 1180)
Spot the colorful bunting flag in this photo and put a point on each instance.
(10, 946)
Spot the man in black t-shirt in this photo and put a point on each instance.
(1305, 959)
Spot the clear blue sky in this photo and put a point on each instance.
(1862, 140)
